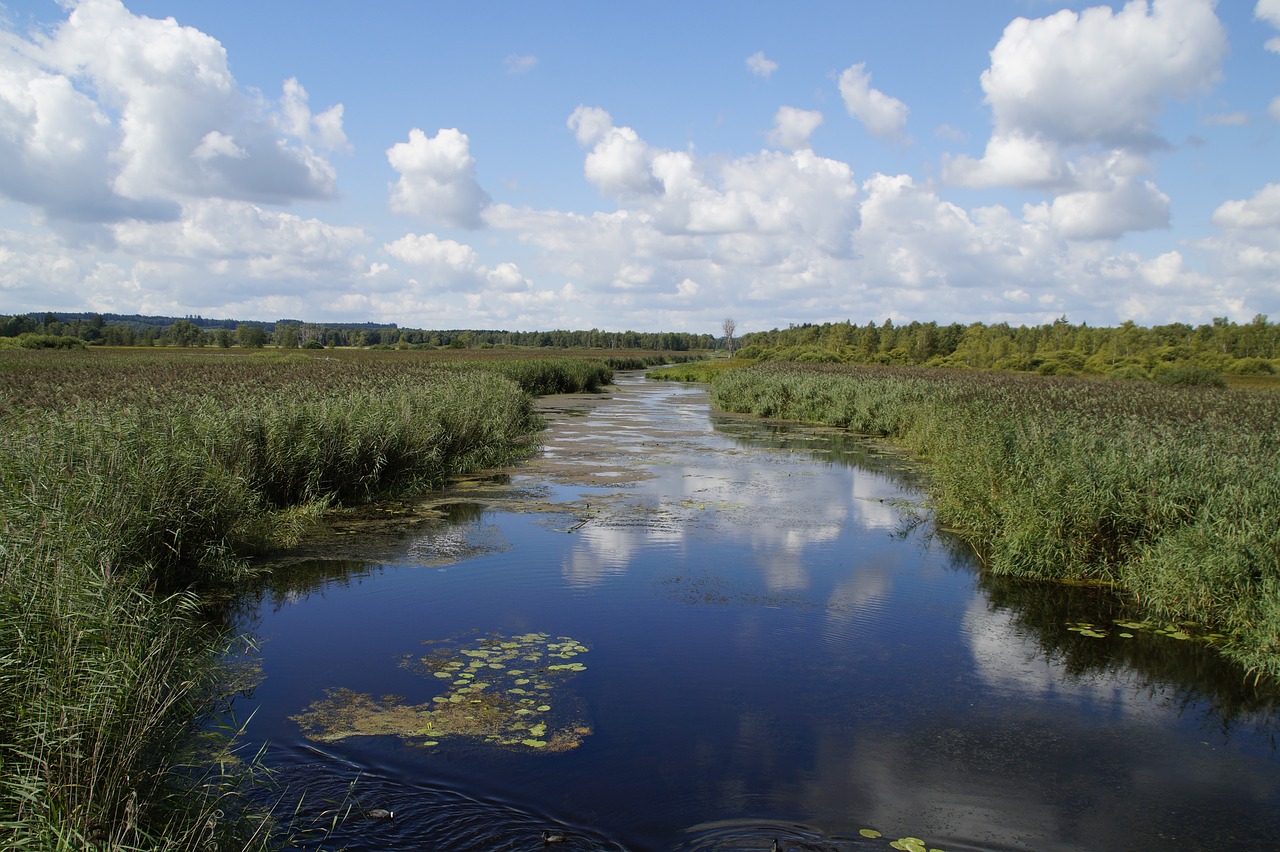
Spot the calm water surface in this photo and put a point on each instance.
(778, 645)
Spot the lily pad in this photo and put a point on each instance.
(494, 710)
(869, 833)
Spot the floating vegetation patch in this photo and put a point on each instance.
(903, 844)
(1183, 631)
(500, 690)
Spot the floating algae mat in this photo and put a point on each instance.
(501, 690)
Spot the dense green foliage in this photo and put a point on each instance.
(134, 330)
(130, 482)
(1171, 493)
(1058, 348)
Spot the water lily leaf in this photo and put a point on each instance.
(870, 833)
(494, 710)
(1126, 635)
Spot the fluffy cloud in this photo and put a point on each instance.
(1059, 78)
(618, 163)
(1070, 119)
(1129, 205)
(247, 249)
(882, 115)
(1247, 250)
(1261, 211)
(437, 179)
(792, 127)
(1269, 11)
(760, 66)
(452, 266)
(114, 116)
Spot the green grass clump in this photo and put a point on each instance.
(697, 371)
(131, 484)
(1168, 492)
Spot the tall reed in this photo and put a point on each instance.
(126, 495)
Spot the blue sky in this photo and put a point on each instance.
(645, 166)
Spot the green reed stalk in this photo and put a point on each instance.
(125, 495)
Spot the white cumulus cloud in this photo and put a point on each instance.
(1075, 100)
(437, 178)
(1260, 211)
(883, 116)
(792, 127)
(1100, 76)
(112, 116)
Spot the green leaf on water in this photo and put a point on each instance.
(869, 833)
(534, 743)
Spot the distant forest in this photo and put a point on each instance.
(1057, 348)
(137, 330)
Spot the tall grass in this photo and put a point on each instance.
(130, 485)
(1169, 493)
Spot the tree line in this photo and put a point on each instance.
(1057, 348)
(114, 330)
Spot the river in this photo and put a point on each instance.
(675, 629)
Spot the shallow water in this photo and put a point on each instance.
(778, 645)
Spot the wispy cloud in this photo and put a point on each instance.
(517, 64)
(761, 66)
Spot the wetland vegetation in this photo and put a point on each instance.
(1166, 493)
(134, 483)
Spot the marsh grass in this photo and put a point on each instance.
(130, 486)
(1168, 493)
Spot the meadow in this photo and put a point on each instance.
(134, 484)
(1168, 494)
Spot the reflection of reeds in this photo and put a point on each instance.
(1170, 493)
(128, 482)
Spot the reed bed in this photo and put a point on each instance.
(1170, 494)
(131, 484)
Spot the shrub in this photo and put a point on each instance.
(1129, 373)
(1251, 367)
(1189, 375)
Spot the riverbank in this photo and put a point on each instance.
(134, 484)
(1168, 494)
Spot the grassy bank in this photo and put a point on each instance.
(1171, 494)
(131, 483)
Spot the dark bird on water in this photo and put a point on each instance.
(548, 837)
(379, 813)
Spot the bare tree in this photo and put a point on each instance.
(729, 327)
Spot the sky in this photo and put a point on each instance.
(649, 166)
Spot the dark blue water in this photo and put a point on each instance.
(780, 646)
